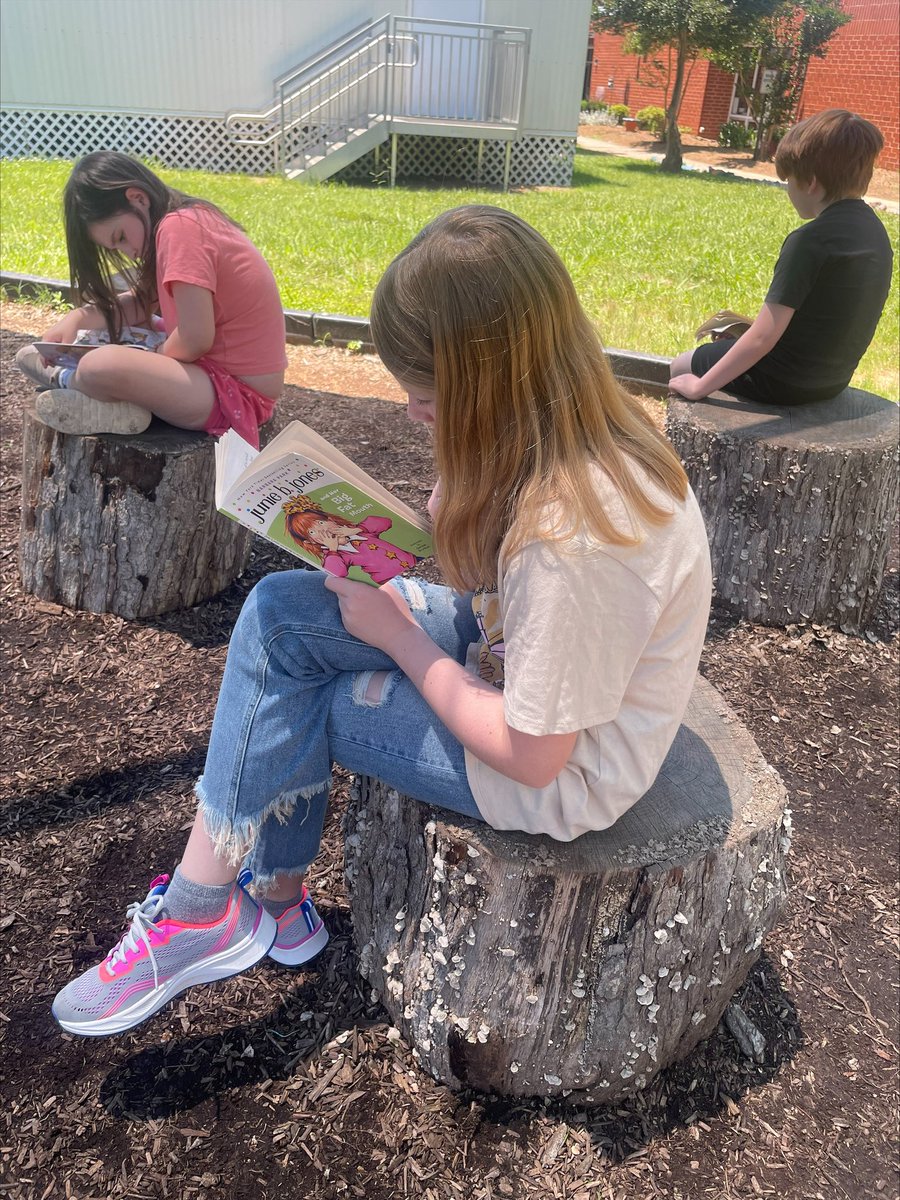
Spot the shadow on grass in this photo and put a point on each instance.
(646, 167)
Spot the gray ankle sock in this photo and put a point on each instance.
(277, 908)
(198, 903)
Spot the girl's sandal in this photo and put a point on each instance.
(71, 411)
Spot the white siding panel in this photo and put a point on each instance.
(556, 64)
(214, 56)
(194, 56)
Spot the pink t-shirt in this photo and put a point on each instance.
(196, 245)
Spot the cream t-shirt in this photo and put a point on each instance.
(602, 640)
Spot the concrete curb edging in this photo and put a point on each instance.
(303, 327)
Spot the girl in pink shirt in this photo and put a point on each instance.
(222, 363)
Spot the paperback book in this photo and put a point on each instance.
(723, 324)
(304, 495)
(67, 354)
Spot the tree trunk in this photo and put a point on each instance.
(125, 525)
(524, 966)
(673, 160)
(799, 503)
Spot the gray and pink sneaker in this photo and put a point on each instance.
(158, 958)
(301, 933)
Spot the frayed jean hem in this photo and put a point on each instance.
(235, 840)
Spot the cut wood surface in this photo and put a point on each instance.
(125, 525)
(799, 502)
(525, 966)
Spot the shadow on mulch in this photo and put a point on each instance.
(161, 1081)
(96, 793)
(277, 1083)
(703, 1086)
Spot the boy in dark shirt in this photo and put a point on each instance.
(830, 284)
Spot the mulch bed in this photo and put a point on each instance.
(288, 1083)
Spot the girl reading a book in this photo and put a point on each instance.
(568, 536)
(340, 544)
(189, 270)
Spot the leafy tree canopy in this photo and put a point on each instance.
(700, 24)
(692, 27)
(771, 63)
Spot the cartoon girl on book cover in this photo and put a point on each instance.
(340, 544)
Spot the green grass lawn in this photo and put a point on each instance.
(651, 254)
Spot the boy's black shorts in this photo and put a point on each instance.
(755, 384)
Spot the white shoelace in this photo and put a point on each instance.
(142, 917)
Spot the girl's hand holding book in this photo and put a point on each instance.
(378, 616)
(66, 329)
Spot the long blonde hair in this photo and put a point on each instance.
(480, 309)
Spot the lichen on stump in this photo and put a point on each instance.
(799, 503)
(524, 966)
(125, 525)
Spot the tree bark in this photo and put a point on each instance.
(125, 525)
(673, 159)
(799, 503)
(524, 966)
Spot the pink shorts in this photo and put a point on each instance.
(237, 405)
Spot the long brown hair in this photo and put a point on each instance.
(95, 191)
(480, 309)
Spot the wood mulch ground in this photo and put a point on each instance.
(288, 1083)
(703, 152)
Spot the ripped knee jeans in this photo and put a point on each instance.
(300, 693)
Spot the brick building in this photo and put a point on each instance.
(861, 71)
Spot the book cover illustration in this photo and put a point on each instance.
(304, 505)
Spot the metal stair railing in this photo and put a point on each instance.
(340, 92)
(464, 72)
(343, 101)
(407, 68)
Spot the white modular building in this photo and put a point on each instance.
(481, 91)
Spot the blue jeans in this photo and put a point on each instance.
(293, 700)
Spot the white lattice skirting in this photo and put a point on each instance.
(205, 144)
(535, 161)
(198, 143)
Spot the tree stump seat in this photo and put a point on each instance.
(126, 525)
(523, 966)
(799, 502)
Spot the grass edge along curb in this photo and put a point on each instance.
(306, 328)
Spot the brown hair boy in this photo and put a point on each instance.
(830, 283)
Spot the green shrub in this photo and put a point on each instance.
(652, 118)
(619, 111)
(594, 106)
(735, 135)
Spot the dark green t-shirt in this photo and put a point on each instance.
(836, 273)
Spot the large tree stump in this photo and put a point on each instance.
(525, 966)
(799, 503)
(126, 525)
